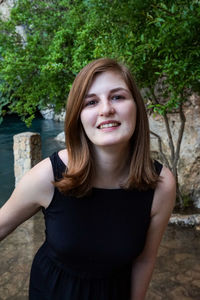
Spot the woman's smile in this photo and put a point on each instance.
(108, 124)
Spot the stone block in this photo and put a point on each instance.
(27, 152)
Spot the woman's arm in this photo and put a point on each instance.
(33, 191)
(162, 207)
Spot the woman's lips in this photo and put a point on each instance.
(108, 124)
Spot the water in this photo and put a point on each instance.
(12, 125)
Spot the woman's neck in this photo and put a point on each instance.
(111, 166)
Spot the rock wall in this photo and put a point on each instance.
(5, 6)
(50, 114)
(189, 162)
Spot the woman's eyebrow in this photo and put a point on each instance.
(90, 95)
(110, 92)
(119, 89)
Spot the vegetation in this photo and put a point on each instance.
(158, 40)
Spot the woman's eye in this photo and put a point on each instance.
(117, 97)
(91, 102)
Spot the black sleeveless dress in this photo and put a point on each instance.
(90, 243)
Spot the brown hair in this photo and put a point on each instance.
(77, 179)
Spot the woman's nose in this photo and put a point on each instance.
(106, 109)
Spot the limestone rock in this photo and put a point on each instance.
(60, 117)
(27, 152)
(185, 220)
(47, 113)
(5, 7)
(50, 114)
(60, 137)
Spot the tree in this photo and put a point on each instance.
(36, 68)
(158, 40)
(173, 45)
(174, 31)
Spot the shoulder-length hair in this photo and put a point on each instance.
(77, 180)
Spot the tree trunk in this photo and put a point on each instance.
(172, 161)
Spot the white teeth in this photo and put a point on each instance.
(108, 125)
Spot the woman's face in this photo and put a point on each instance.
(109, 111)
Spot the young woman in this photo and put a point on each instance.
(106, 203)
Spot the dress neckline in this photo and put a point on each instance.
(93, 188)
(107, 189)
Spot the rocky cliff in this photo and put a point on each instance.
(189, 162)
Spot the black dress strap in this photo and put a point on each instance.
(57, 165)
(158, 166)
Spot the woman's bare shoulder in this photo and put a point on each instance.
(35, 189)
(38, 182)
(63, 154)
(167, 180)
(42, 171)
(165, 192)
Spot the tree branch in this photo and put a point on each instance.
(164, 10)
(156, 101)
(163, 156)
(171, 143)
(180, 134)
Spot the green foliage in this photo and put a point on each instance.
(37, 70)
(187, 202)
(158, 40)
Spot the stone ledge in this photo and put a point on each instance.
(185, 220)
